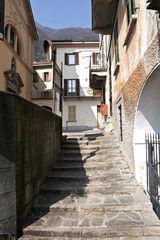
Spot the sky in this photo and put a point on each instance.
(62, 13)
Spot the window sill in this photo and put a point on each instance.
(116, 68)
(130, 29)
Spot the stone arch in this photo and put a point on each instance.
(147, 119)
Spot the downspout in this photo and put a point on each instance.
(108, 55)
(2, 14)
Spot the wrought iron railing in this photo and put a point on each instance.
(81, 92)
(98, 63)
(153, 169)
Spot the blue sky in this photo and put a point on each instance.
(62, 13)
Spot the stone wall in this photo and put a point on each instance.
(30, 139)
(129, 96)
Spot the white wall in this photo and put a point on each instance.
(86, 114)
(147, 121)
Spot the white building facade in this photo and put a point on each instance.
(81, 104)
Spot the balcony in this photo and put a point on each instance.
(103, 13)
(84, 92)
(98, 71)
(42, 94)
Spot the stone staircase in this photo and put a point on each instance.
(91, 194)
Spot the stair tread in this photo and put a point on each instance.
(108, 221)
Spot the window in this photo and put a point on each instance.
(46, 76)
(72, 113)
(71, 58)
(18, 48)
(12, 38)
(6, 31)
(96, 58)
(35, 77)
(71, 87)
(116, 45)
(130, 9)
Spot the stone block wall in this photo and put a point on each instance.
(30, 139)
(129, 96)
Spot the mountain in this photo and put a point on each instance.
(74, 34)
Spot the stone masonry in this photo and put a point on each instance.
(91, 194)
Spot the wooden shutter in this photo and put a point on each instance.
(77, 87)
(66, 58)
(50, 76)
(65, 87)
(71, 113)
(94, 58)
(76, 58)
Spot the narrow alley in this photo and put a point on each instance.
(91, 194)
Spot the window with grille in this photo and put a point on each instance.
(130, 9)
(72, 113)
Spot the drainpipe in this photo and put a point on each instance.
(2, 13)
(108, 55)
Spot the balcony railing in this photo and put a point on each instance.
(81, 92)
(98, 63)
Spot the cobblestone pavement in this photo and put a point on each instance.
(91, 194)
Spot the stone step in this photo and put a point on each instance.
(87, 142)
(94, 224)
(90, 176)
(91, 159)
(89, 147)
(90, 166)
(89, 137)
(88, 153)
(96, 187)
(106, 238)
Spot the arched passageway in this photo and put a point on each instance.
(147, 121)
(47, 108)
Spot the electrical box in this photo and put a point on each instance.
(105, 109)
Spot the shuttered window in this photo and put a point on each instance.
(96, 58)
(71, 87)
(71, 58)
(72, 113)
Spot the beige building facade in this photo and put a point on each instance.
(16, 48)
(43, 86)
(131, 29)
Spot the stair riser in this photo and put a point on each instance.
(90, 160)
(90, 169)
(97, 209)
(86, 191)
(86, 179)
(77, 233)
(77, 154)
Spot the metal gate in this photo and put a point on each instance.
(153, 170)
